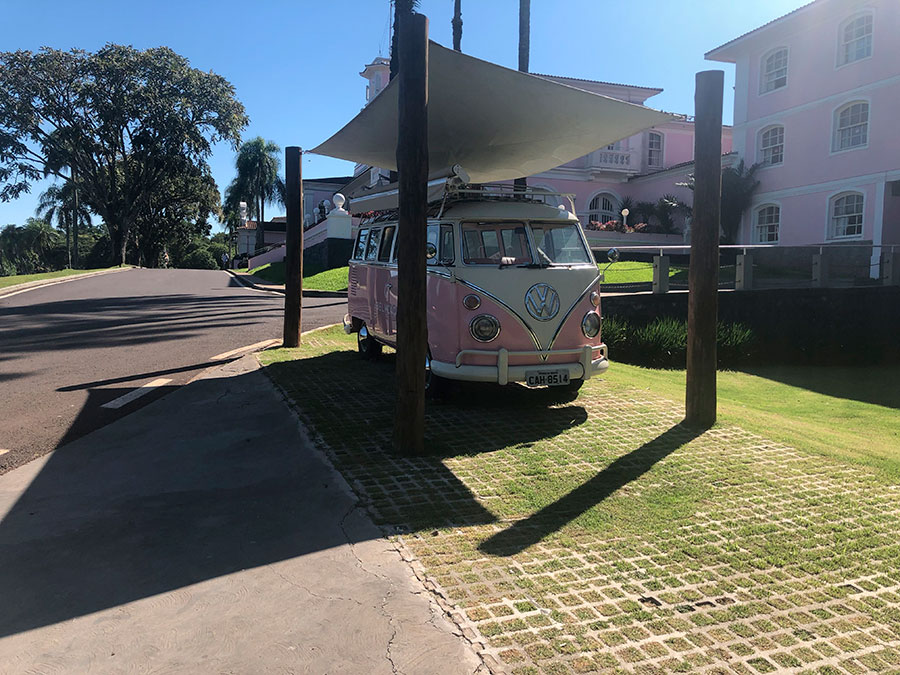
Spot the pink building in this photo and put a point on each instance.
(817, 99)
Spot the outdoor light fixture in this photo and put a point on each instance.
(625, 213)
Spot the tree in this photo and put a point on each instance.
(58, 201)
(457, 25)
(738, 185)
(401, 8)
(257, 182)
(524, 53)
(177, 213)
(117, 117)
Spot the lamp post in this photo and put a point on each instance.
(625, 213)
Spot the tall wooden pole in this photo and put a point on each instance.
(703, 277)
(293, 259)
(412, 165)
(457, 24)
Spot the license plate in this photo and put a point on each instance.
(550, 378)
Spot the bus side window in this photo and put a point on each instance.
(372, 246)
(360, 244)
(447, 252)
(387, 238)
(432, 237)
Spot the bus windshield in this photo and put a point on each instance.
(495, 243)
(559, 244)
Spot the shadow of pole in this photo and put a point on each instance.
(555, 516)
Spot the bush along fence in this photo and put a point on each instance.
(662, 343)
(829, 326)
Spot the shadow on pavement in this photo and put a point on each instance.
(619, 473)
(208, 481)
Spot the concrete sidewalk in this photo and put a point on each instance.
(203, 534)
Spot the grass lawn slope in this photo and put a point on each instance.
(329, 280)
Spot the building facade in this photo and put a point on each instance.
(817, 98)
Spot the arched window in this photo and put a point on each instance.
(855, 39)
(774, 70)
(767, 224)
(654, 149)
(771, 145)
(603, 208)
(847, 215)
(851, 126)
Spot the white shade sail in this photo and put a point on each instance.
(495, 122)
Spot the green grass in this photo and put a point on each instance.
(631, 272)
(24, 278)
(329, 280)
(849, 413)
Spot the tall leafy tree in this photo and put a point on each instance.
(117, 117)
(257, 182)
(58, 202)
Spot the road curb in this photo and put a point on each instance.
(307, 293)
(9, 291)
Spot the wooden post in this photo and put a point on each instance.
(293, 259)
(703, 277)
(412, 165)
(521, 184)
(743, 272)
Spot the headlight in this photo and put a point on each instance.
(471, 301)
(484, 327)
(590, 324)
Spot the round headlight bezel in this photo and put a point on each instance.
(595, 298)
(493, 321)
(590, 325)
(471, 302)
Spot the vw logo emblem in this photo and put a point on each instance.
(542, 302)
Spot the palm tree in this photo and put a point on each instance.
(258, 182)
(524, 50)
(401, 8)
(457, 26)
(60, 201)
(738, 185)
(40, 237)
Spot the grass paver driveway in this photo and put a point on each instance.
(598, 534)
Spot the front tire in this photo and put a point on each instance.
(369, 348)
(436, 387)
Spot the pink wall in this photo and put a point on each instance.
(812, 41)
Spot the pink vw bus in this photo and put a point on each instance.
(513, 292)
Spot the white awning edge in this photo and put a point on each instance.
(496, 122)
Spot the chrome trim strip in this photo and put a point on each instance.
(508, 308)
(558, 352)
(566, 317)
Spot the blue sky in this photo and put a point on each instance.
(295, 63)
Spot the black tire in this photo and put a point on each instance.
(369, 348)
(436, 387)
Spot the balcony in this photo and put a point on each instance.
(627, 161)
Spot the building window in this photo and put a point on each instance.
(855, 39)
(655, 149)
(851, 126)
(847, 215)
(602, 209)
(771, 146)
(768, 221)
(774, 71)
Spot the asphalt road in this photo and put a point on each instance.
(68, 349)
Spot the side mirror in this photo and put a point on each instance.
(430, 251)
(612, 255)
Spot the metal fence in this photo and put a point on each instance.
(661, 269)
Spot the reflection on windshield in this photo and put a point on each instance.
(559, 244)
(490, 243)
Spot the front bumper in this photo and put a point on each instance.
(503, 373)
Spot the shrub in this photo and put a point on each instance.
(662, 343)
